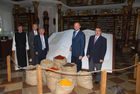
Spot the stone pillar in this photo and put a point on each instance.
(36, 19)
(59, 6)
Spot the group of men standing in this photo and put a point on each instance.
(36, 43)
(95, 52)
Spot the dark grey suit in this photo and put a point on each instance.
(96, 51)
(31, 45)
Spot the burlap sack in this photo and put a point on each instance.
(45, 64)
(85, 81)
(52, 78)
(63, 89)
(59, 61)
(31, 78)
(70, 68)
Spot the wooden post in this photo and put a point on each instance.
(39, 80)
(135, 68)
(8, 68)
(137, 27)
(103, 82)
(13, 56)
(137, 90)
(138, 80)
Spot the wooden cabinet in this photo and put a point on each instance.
(5, 46)
(24, 17)
(108, 23)
(87, 22)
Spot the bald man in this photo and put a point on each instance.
(41, 45)
(78, 46)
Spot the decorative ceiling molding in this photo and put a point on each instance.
(17, 0)
(78, 3)
(28, 3)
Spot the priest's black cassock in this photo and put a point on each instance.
(20, 46)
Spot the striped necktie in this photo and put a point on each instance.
(95, 39)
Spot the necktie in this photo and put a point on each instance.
(95, 40)
(43, 43)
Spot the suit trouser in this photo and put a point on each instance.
(42, 55)
(77, 62)
(92, 67)
(34, 57)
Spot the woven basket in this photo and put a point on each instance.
(64, 89)
(72, 68)
(31, 78)
(45, 64)
(59, 62)
(85, 81)
(51, 79)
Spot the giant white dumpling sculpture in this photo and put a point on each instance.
(60, 42)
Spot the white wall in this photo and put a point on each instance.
(52, 13)
(7, 18)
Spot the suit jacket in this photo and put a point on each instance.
(31, 39)
(97, 51)
(78, 44)
(38, 44)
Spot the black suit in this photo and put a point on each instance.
(97, 52)
(38, 47)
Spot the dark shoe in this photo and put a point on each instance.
(96, 82)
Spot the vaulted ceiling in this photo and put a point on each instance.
(75, 3)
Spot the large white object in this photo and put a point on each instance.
(60, 42)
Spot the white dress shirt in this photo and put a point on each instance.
(43, 42)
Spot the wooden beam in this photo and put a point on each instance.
(135, 70)
(138, 80)
(137, 27)
(39, 80)
(103, 82)
(137, 91)
(9, 82)
(8, 69)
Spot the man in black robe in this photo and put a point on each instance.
(20, 47)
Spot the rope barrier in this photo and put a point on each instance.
(77, 74)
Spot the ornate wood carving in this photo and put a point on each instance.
(59, 6)
(46, 22)
(36, 19)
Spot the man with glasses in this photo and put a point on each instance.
(96, 51)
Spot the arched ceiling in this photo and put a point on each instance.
(75, 4)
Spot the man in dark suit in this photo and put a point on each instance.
(96, 51)
(78, 46)
(32, 35)
(41, 45)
